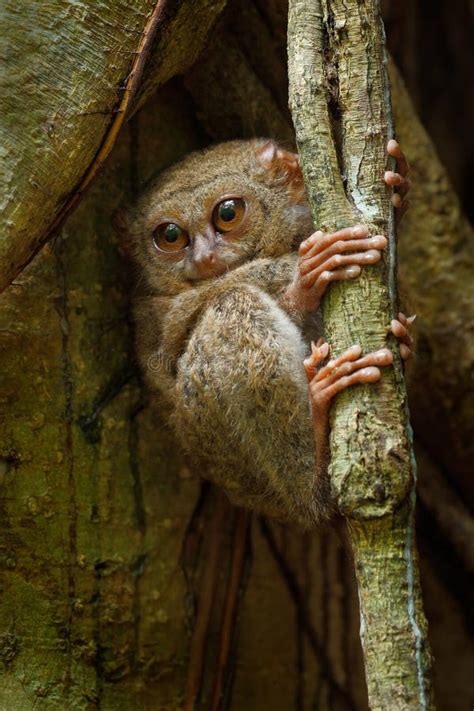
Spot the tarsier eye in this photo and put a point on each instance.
(228, 214)
(170, 237)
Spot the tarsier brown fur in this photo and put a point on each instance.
(228, 289)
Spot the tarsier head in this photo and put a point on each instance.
(215, 210)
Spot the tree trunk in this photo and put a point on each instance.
(337, 69)
(73, 73)
(94, 504)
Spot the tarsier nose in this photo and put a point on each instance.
(204, 255)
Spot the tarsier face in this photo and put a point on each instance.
(207, 245)
(215, 210)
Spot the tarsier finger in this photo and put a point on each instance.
(401, 205)
(366, 375)
(379, 358)
(352, 353)
(336, 266)
(306, 245)
(322, 241)
(340, 247)
(394, 150)
(401, 332)
(405, 352)
(392, 178)
(319, 352)
(321, 283)
(406, 320)
(397, 181)
(400, 329)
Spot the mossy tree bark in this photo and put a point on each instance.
(91, 612)
(340, 103)
(71, 79)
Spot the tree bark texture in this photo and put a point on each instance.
(72, 74)
(91, 536)
(436, 261)
(339, 96)
(106, 538)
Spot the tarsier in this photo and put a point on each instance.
(230, 279)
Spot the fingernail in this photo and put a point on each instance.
(353, 271)
(359, 231)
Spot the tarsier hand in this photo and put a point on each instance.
(351, 367)
(338, 256)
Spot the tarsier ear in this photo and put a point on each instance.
(282, 167)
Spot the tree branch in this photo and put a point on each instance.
(340, 102)
(230, 607)
(200, 632)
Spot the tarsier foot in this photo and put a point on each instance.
(398, 180)
(340, 373)
(351, 367)
(337, 256)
